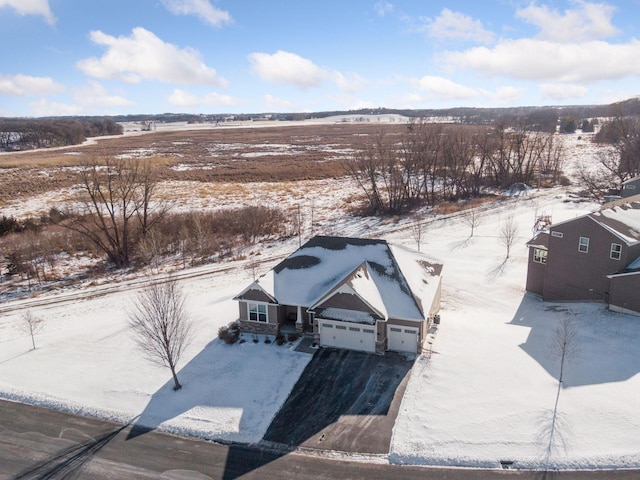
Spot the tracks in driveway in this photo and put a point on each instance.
(345, 401)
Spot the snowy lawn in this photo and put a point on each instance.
(489, 390)
(86, 362)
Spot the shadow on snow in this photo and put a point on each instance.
(607, 343)
(336, 384)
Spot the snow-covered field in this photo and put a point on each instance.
(486, 389)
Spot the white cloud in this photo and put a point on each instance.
(589, 21)
(25, 85)
(201, 8)
(288, 68)
(541, 60)
(182, 98)
(444, 88)
(46, 108)
(31, 7)
(144, 56)
(382, 8)
(292, 69)
(96, 94)
(457, 26)
(562, 91)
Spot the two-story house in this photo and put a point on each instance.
(595, 257)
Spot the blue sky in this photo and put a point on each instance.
(99, 57)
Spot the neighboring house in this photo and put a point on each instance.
(351, 293)
(631, 187)
(595, 257)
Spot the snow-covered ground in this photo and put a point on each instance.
(486, 389)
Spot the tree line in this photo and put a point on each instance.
(122, 217)
(430, 163)
(18, 134)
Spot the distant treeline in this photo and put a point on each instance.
(28, 133)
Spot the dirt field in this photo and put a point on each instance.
(220, 154)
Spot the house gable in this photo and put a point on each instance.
(256, 293)
(579, 259)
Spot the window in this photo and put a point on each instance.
(583, 245)
(393, 329)
(629, 187)
(341, 327)
(258, 312)
(616, 251)
(367, 330)
(557, 234)
(539, 255)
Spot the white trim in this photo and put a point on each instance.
(541, 254)
(583, 244)
(618, 252)
(615, 308)
(557, 234)
(258, 312)
(347, 335)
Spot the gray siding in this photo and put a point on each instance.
(631, 187)
(535, 274)
(624, 293)
(573, 275)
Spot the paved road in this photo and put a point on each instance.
(37, 443)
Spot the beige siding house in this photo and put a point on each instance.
(351, 293)
(595, 257)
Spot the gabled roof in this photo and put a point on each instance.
(631, 180)
(621, 218)
(391, 279)
(541, 240)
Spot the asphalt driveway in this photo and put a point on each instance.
(344, 400)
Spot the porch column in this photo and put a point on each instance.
(299, 326)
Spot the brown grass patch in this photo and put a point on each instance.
(217, 155)
(444, 208)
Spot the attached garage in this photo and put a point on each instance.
(353, 336)
(402, 339)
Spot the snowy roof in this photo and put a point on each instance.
(622, 219)
(631, 180)
(635, 265)
(391, 279)
(541, 240)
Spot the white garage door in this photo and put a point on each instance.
(351, 336)
(402, 339)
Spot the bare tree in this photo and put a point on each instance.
(32, 325)
(508, 233)
(564, 346)
(115, 192)
(473, 218)
(418, 227)
(161, 325)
